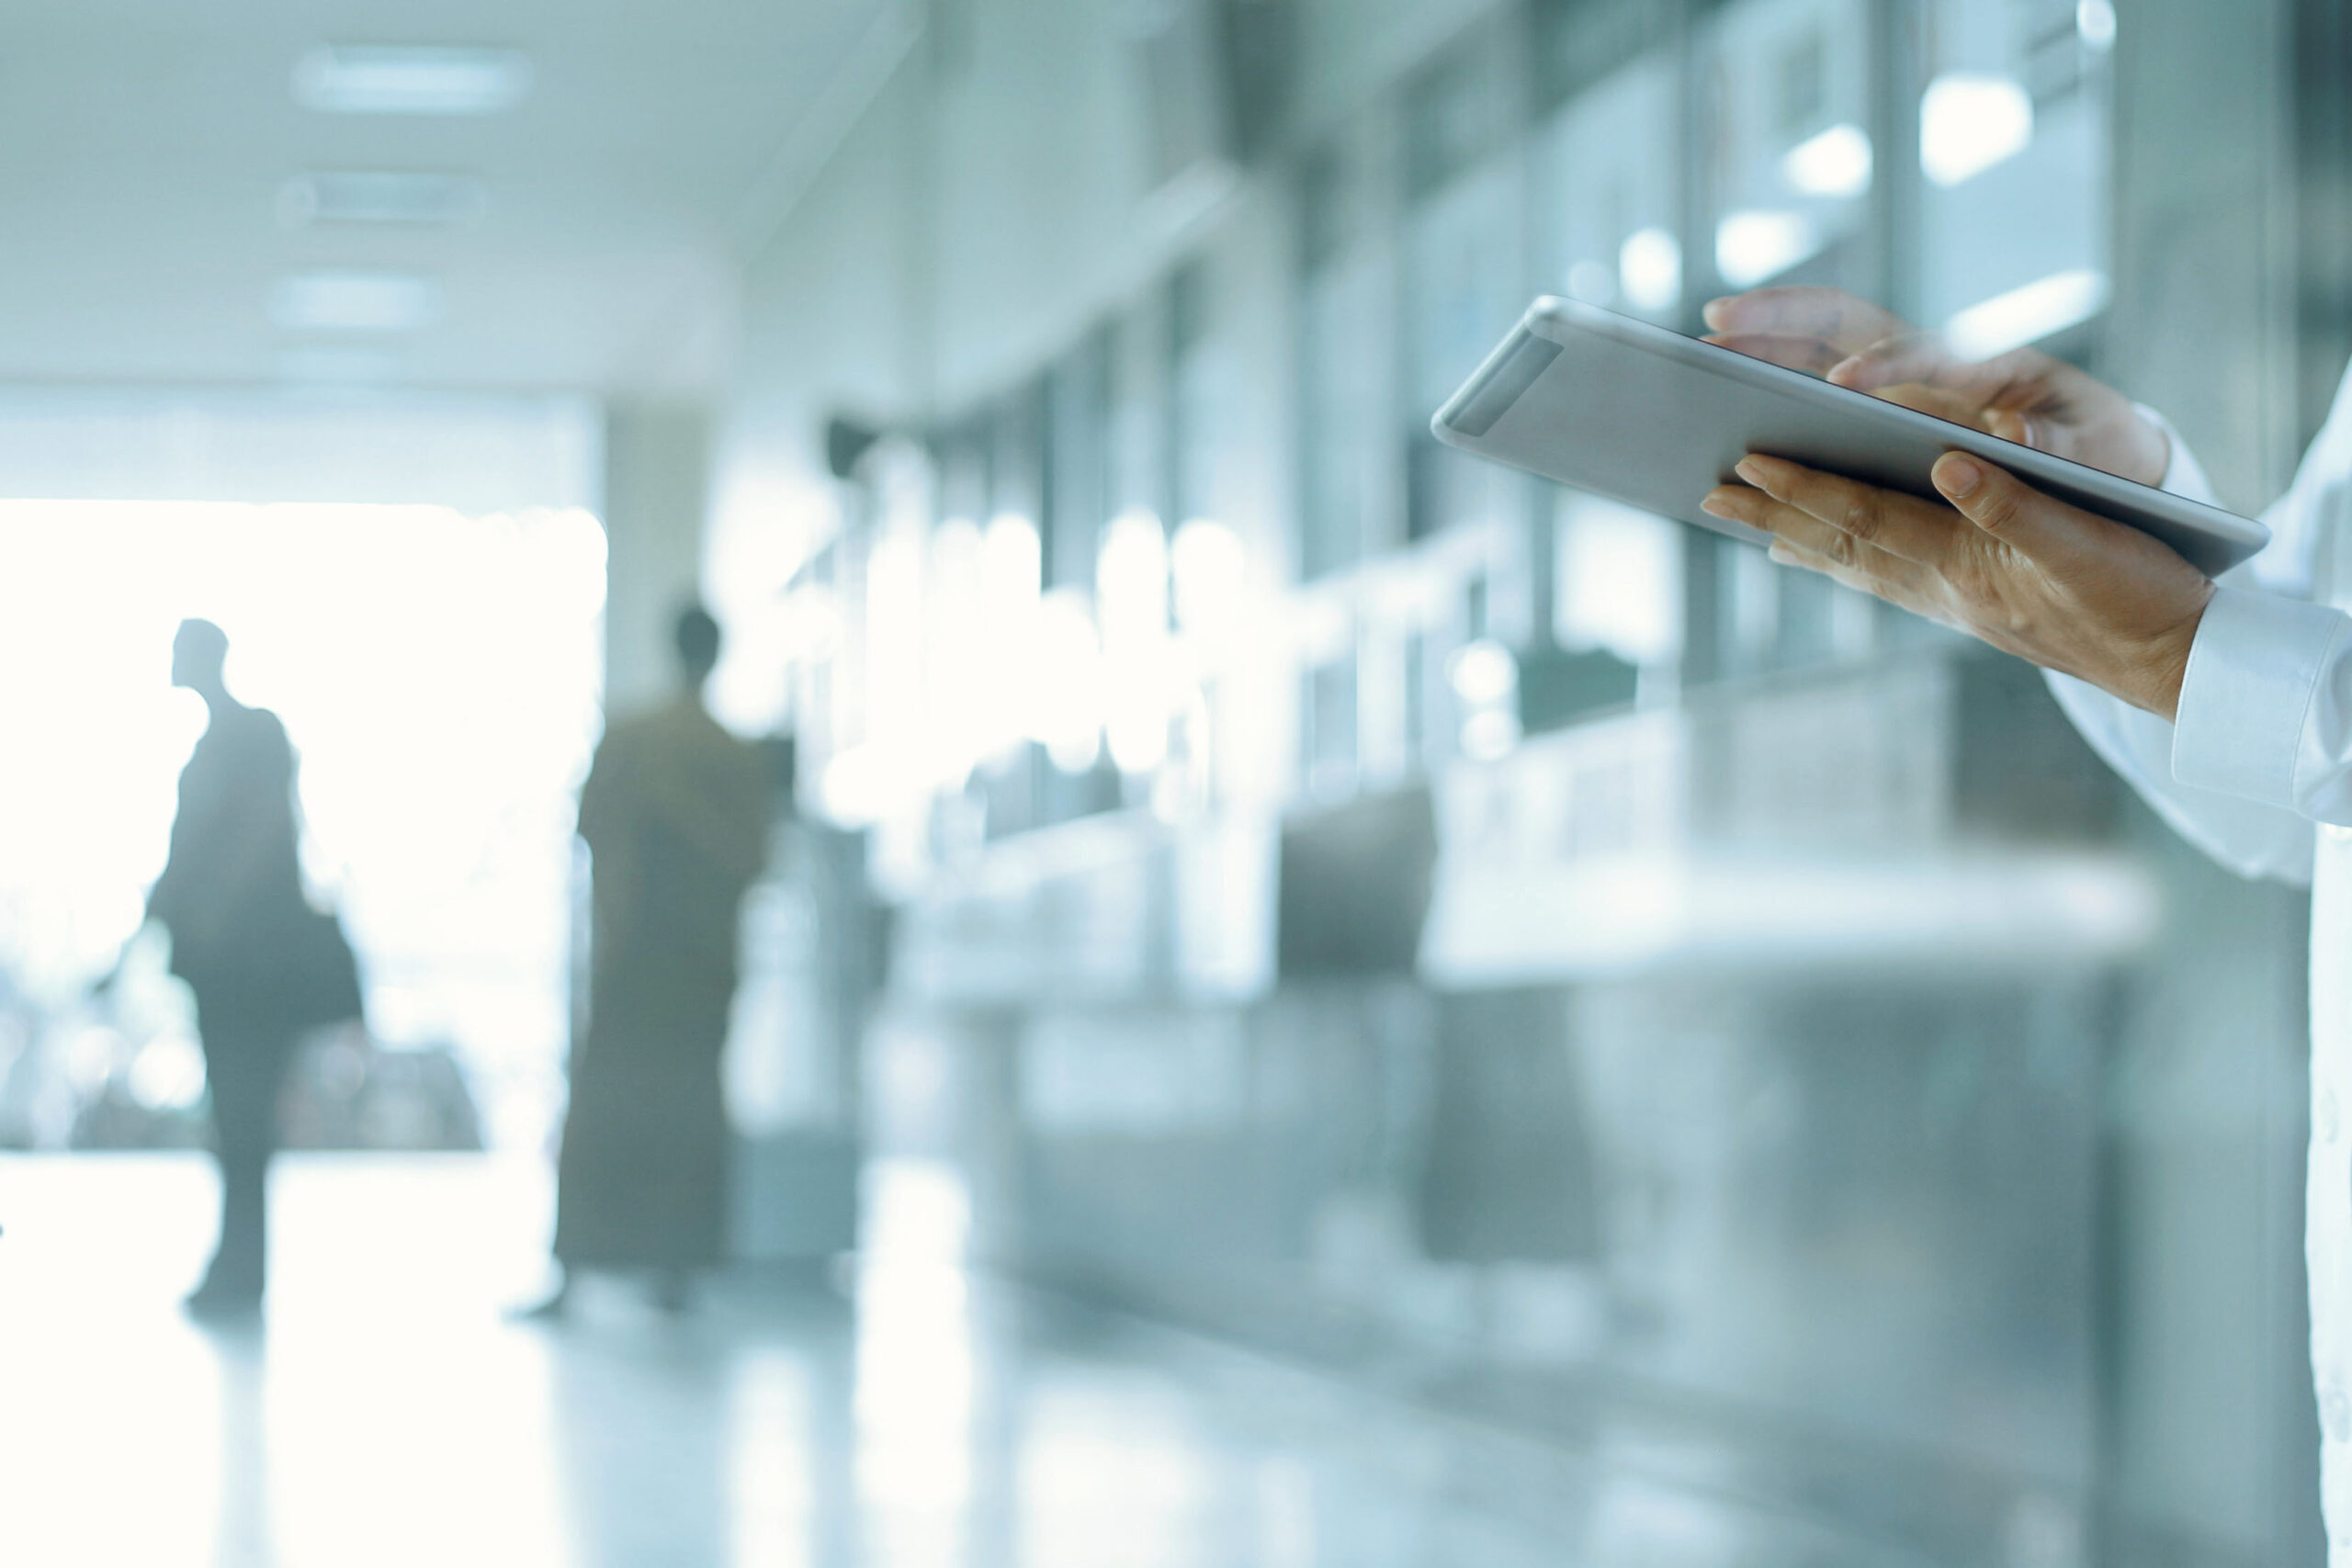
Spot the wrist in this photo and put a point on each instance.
(2167, 664)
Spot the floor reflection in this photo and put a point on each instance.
(386, 1412)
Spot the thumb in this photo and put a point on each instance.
(2003, 506)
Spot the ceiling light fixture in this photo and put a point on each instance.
(372, 79)
(355, 302)
(371, 196)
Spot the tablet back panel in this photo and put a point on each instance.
(1648, 417)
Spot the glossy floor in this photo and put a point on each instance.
(386, 1412)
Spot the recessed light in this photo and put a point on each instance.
(355, 302)
(372, 79)
(357, 196)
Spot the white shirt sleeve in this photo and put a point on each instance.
(2225, 776)
(2266, 708)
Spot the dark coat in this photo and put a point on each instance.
(677, 814)
(231, 895)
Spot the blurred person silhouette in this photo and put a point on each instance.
(264, 966)
(677, 814)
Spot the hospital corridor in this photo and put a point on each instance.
(1175, 783)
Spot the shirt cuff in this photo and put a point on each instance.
(2247, 692)
(2184, 475)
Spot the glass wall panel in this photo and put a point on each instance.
(1458, 112)
(1017, 458)
(1579, 44)
(1420, 677)
(1199, 398)
(2013, 148)
(1329, 753)
(961, 452)
(1791, 160)
(1145, 423)
(1612, 173)
(1343, 414)
(1464, 289)
(1347, 319)
(1610, 164)
(1078, 461)
(1465, 281)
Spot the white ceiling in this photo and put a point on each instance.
(143, 144)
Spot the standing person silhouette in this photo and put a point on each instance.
(231, 895)
(676, 814)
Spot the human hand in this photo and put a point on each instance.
(2069, 591)
(2025, 396)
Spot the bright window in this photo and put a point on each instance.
(439, 675)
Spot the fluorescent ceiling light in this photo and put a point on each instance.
(344, 79)
(356, 301)
(379, 197)
(1753, 246)
(1968, 122)
(1835, 163)
(2028, 314)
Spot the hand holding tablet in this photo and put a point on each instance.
(2067, 565)
(1642, 415)
(2023, 396)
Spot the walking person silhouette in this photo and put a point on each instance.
(263, 965)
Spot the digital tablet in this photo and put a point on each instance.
(1653, 419)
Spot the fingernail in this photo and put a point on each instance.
(1780, 555)
(1844, 368)
(1957, 476)
(1751, 471)
(1714, 508)
(1712, 312)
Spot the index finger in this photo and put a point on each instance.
(1903, 526)
(1810, 354)
(1927, 358)
(1831, 315)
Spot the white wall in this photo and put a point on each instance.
(657, 461)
